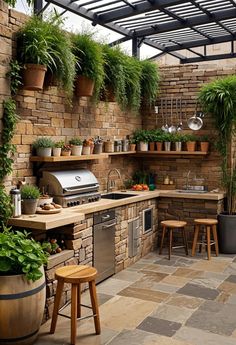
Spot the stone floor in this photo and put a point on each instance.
(184, 301)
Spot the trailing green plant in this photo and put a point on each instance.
(76, 141)
(132, 72)
(219, 99)
(14, 76)
(30, 192)
(20, 254)
(13, 2)
(6, 207)
(149, 82)
(90, 58)
(43, 142)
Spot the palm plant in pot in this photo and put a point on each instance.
(43, 146)
(29, 195)
(219, 99)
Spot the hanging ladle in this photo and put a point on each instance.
(172, 128)
(195, 122)
(165, 127)
(180, 125)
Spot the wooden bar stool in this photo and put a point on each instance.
(76, 275)
(170, 225)
(209, 225)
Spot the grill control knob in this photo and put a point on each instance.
(78, 202)
(68, 204)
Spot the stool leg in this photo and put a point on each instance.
(196, 232)
(208, 230)
(162, 239)
(73, 313)
(79, 300)
(170, 241)
(215, 239)
(94, 302)
(56, 305)
(185, 240)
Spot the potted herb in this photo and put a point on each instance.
(218, 99)
(98, 145)
(29, 195)
(76, 146)
(178, 139)
(22, 286)
(66, 150)
(191, 141)
(141, 136)
(149, 82)
(167, 138)
(152, 140)
(90, 71)
(132, 144)
(204, 143)
(56, 150)
(43, 146)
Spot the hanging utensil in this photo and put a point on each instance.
(172, 128)
(165, 127)
(156, 109)
(195, 122)
(180, 125)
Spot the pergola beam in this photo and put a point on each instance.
(209, 58)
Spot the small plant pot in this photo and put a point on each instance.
(29, 206)
(86, 150)
(44, 151)
(65, 153)
(167, 145)
(204, 146)
(56, 151)
(84, 86)
(152, 146)
(178, 146)
(132, 147)
(159, 145)
(109, 146)
(143, 146)
(98, 148)
(33, 77)
(191, 146)
(76, 150)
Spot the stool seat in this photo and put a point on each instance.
(76, 273)
(206, 221)
(173, 223)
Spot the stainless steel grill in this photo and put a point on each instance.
(71, 188)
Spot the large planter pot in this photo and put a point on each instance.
(21, 309)
(29, 206)
(44, 151)
(76, 150)
(227, 233)
(191, 146)
(84, 86)
(204, 146)
(33, 77)
(143, 146)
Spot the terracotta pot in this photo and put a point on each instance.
(159, 146)
(191, 146)
(76, 150)
(56, 151)
(152, 146)
(204, 146)
(65, 153)
(84, 86)
(86, 150)
(132, 147)
(29, 206)
(33, 77)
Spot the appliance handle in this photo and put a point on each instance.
(106, 217)
(79, 189)
(108, 226)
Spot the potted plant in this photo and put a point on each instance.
(22, 286)
(141, 136)
(191, 141)
(149, 82)
(218, 99)
(43, 146)
(66, 150)
(76, 146)
(132, 144)
(56, 150)
(98, 145)
(90, 71)
(29, 195)
(204, 143)
(167, 138)
(178, 139)
(152, 140)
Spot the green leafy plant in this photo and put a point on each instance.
(190, 137)
(219, 99)
(204, 138)
(132, 70)
(76, 141)
(149, 82)
(91, 61)
(141, 135)
(6, 207)
(30, 192)
(20, 255)
(13, 2)
(59, 144)
(179, 137)
(14, 76)
(43, 142)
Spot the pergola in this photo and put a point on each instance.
(167, 25)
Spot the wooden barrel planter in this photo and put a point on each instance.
(21, 309)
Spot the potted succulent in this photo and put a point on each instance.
(98, 145)
(22, 286)
(66, 150)
(218, 99)
(204, 143)
(76, 146)
(43, 146)
(90, 71)
(29, 195)
(149, 82)
(191, 141)
(56, 150)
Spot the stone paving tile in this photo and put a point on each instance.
(219, 276)
(188, 273)
(223, 297)
(198, 337)
(175, 280)
(152, 276)
(230, 269)
(231, 278)
(172, 313)
(198, 291)
(211, 265)
(159, 268)
(159, 326)
(112, 286)
(136, 267)
(102, 298)
(128, 276)
(144, 294)
(207, 282)
(228, 287)
(166, 288)
(232, 299)
(184, 301)
(214, 317)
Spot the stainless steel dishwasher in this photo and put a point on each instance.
(104, 244)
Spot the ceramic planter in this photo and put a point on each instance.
(84, 86)
(33, 77)
(159, 145)
(167, 145)
(44, 151)
(56, 151)
(132, 147)
(143, 146)
(227, 233)
(178, 146)
(204, 146)
(86, 150)
(98, 148)
(29, 206)
(76, 150)
(191, 146)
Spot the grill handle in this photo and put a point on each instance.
(80, 188)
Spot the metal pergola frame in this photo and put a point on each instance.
(167, 25)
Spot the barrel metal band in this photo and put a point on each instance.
(23, 294)
(13, 340)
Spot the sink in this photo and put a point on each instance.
(116, 196)
(191, 191)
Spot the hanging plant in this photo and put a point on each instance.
(149, 82)
(132, 71)
(12, 3)
(14, 76)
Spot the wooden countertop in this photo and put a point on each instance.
(77, 213)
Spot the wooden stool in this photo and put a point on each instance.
(75, 275)
(171, 225)
(209, 225)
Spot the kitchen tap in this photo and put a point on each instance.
(109, 182)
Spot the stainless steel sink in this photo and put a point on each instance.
(191, 191)
(116, 196)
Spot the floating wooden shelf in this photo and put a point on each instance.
(121, 153)
(171, 153)
(69, 158)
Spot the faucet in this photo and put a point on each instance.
(187, 180)
(109, 184)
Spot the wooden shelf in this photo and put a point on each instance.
(122, 153)
(68, 158)
(171, 153)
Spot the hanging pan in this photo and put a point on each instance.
(195, 122)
